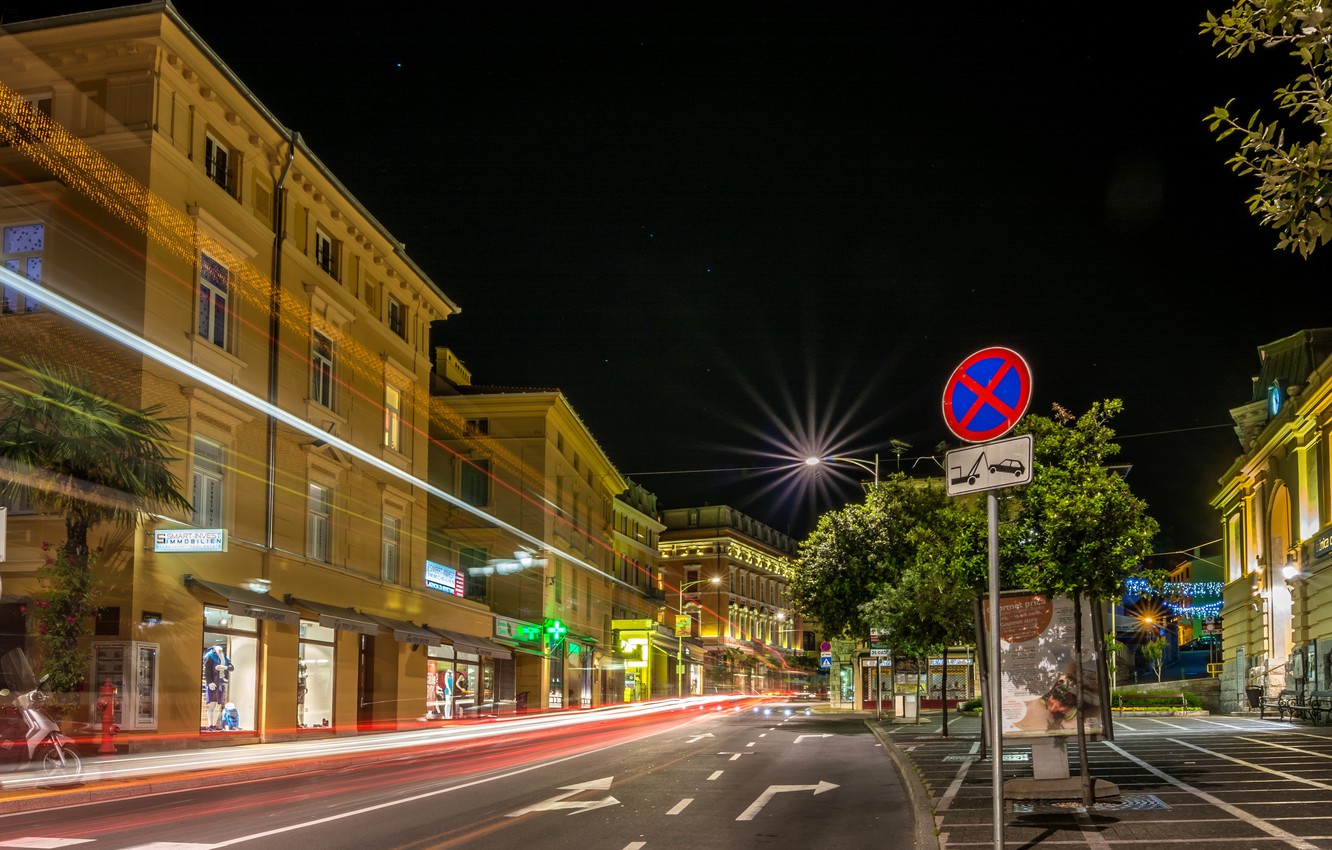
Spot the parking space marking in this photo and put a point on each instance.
(1290, 748)
(1254, 765)
(1234, 811)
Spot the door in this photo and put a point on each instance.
(365, 685)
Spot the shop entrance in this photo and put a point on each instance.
(365, 685)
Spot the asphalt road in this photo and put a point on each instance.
(732, 779)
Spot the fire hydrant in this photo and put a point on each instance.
(107, 706)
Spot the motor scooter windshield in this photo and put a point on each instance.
(17, 672)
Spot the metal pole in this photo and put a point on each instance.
(679, 646)
(994, 712)
(878, 692)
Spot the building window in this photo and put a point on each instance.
(397, 317)
(214, 300)
(22, 249)
(217, 163)
(474, 486)
(321, 370)
(209, 467)
(318, 545)
(392, 418)
(327, 251)
(388, 558)
(478, 427)
(472, 562)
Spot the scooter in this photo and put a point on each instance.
(28, 735)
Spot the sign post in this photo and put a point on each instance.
(983, 399)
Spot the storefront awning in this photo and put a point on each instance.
(474, 644)
(523, 648)
(333, 617)
(249, 603)
(405, 632)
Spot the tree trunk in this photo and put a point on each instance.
(1088, 795)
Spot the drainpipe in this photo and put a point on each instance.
(274, 326)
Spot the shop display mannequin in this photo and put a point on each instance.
(216, 666)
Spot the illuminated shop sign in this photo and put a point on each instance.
(190, 540)
(1322, 543)
(444, 579)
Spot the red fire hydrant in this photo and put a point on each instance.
(107, 705)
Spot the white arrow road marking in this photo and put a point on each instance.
(735, 756)
(559, 802)
(757, 806)
(800, 738)
(700, 737)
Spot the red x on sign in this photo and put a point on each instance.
(987, 394)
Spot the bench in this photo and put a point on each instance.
(1320, 706)
(1266, 703)
(1293, 703)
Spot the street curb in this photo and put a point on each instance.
(927, 837)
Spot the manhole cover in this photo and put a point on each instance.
(1126, 803)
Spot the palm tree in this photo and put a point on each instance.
(68, 450)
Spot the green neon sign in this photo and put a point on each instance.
(555, 632)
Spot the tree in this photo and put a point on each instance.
(1292, 162)
(1154, 651)
(1082, 530)
(858, 549)
(70, 451)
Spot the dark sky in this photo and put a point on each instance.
(721, 227)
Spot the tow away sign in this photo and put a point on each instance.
(989, 466)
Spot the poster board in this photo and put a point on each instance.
(1038, 678)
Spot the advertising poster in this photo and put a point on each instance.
(1038, 678)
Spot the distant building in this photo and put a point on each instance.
(1275, 503)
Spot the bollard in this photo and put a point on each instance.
(107, 705)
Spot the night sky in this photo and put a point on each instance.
(735, 233)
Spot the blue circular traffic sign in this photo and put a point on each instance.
(987, 394)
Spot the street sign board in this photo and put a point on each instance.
(825, 663)
(876, 652)
(988, 466)
(987, 394)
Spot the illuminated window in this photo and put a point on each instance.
(388, 559)
(214, 299)
(392, 417)
(217, 163)
(22, 255)
(209, 468)
(321, 519)
(327, 252)
(321, 370)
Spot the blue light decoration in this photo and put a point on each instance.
(1180, 590)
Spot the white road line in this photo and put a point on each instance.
(751, 743)
(1219, 723)
(763, 734)
(716, 774)
(1089, 831)
(947, 799)
(635, 845)
(684, 804)
(170, 845)
(1234, 811)
(1301, 750)
(38, 843)
(1159, 720)
(1254, 766)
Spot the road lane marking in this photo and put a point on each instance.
(1234, 811)
(953, 787)
(1299, 750)
(757, 806)
(800, 738)
(1163, 722)
(734, 756)
(680, 806)
(635, 845)
(559, 801)
(700, 737)
(716, 774)
(763, 734)
(39, 843)
(750, 744)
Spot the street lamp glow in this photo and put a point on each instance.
(679, 636)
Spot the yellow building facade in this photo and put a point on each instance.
(284, 333)
(1275, 503)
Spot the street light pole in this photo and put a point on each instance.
(870, 467)
(679, 636)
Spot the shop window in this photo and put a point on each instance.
(314, 676)
(230, 672)
(22, 254)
